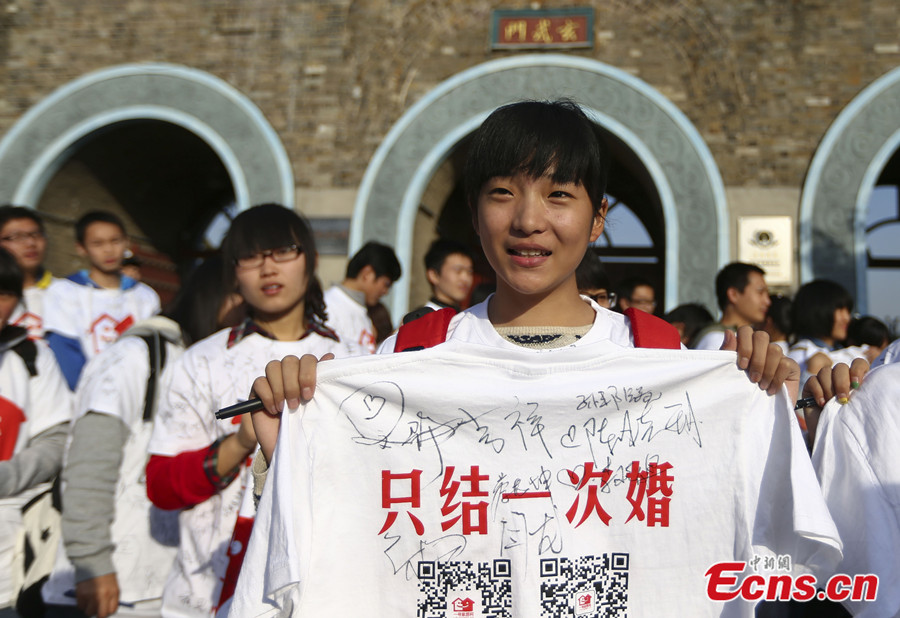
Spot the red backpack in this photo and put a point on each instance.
(429, 330)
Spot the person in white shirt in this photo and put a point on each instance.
(820, 316)
(22, 234)
(198, 464)
(743, 298)
(118, 547)
(35, 410)
(370, 274)
(88, 310)
(537, 202)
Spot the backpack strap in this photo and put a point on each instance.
(650, 331)
(424, 332)
(430, 329)
(28, 351)
(16, 338)
(156, 352)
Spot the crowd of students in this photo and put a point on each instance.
(117, 400)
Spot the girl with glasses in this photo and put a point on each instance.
(198, 464)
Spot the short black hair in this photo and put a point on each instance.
(8, 212)
(694, 316)
(780, 312)
(440, 250)
(536, 138)
(735, 275)
(270, 226)
(812, 313)
(868, 330)
(590, 274)
(380, 257)
(626, 287)
(96, 216)
(12, 280)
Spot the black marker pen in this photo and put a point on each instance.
(251, 405)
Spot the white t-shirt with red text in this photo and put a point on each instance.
(477, 478)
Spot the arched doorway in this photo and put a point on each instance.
(855, 163)
(882, 260)
(165, 146)
(672, 158)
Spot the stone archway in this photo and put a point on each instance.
(839, 183)
(668, 145)
(41, 141)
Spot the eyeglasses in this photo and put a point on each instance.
(604, 299)
(22, 236)
(281, 254)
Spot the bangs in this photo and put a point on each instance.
(538, 139)
(266, 227)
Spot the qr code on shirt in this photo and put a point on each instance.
(444, 586)
(585, 586)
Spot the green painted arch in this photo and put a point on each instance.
(234, 128)
(668, 145)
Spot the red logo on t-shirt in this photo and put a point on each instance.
(106, 329)
(32, 322)
(11, 418)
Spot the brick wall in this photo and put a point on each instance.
(761, 80)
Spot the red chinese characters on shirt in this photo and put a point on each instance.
(649, 494)
(473, 514)
(648, 484)
(414, 499)
(593, 501)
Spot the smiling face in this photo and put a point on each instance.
(534, 232)
(274, 289)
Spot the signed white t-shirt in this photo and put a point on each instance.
(468, 480)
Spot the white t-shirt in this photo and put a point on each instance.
(711, 341)
(890, 354)
(803, 350)
(29, 313)
(96, 316)
(470, 476)
(350, 321)
(145, 537)
(28, 407)
(855, 457)
(209, 376)
(473, 325)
